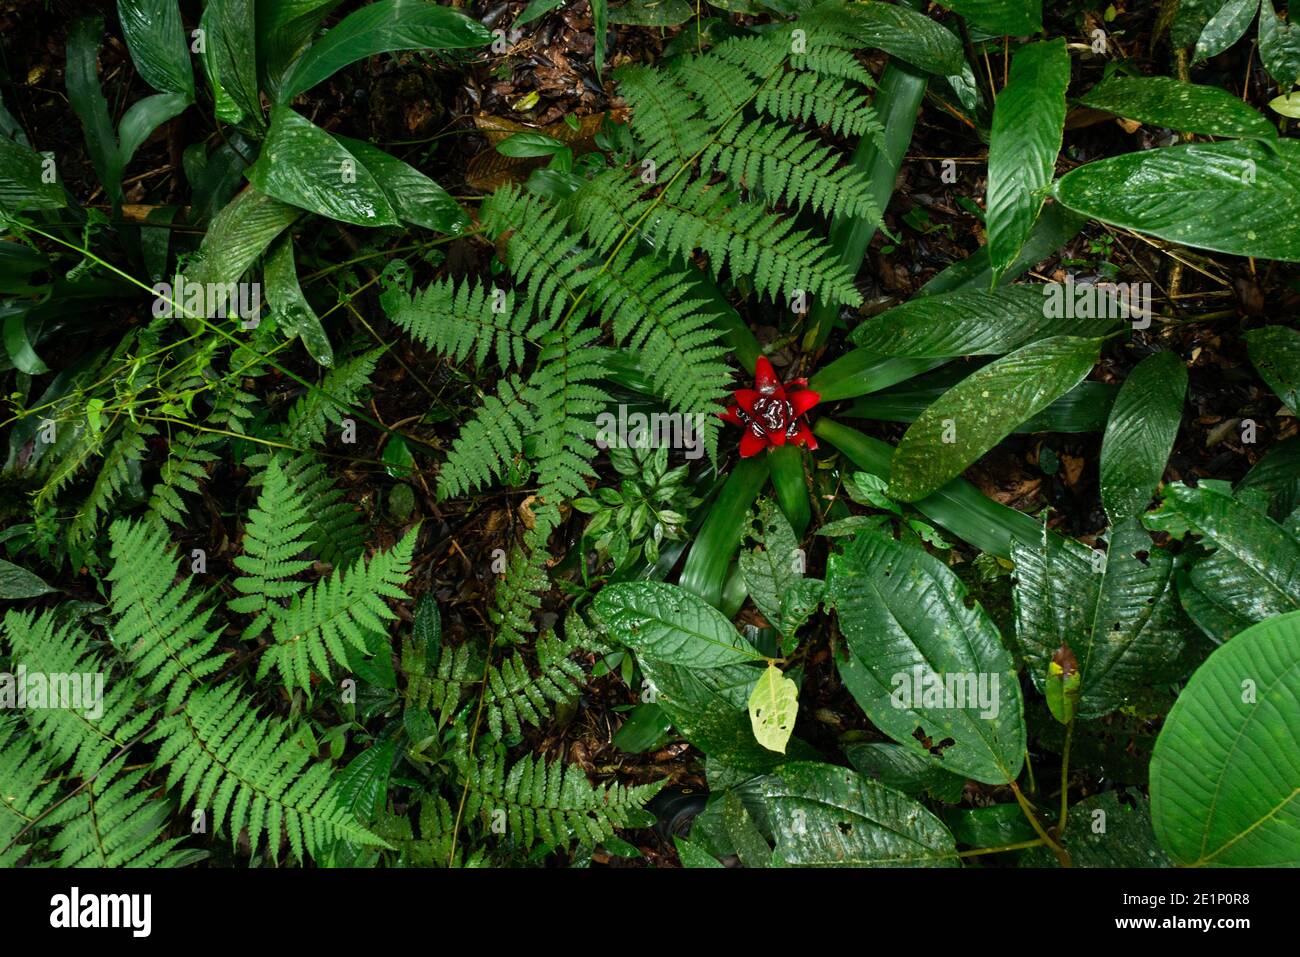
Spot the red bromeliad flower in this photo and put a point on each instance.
(772, 413)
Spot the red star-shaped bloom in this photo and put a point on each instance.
(772, 413)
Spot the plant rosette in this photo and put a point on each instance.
(772, 414)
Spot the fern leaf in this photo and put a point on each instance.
(335, 613)
(516, 697)
(319, 408)
(457, 322)
(159, 628)
(273, 537)
(488, 442)
(565, 406)
(26, 791)
(254, 773)
(114, 474)
(555, 803)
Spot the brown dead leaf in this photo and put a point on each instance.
(489, 169)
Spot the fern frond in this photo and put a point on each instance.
(516, 696)
(665, 119)
(442, 689)
(519, 593)
(788, 165)
(829, 101)
(26, 789)
(114, 822)
(432, 846)
(566, 405)
(159, 628)
(318, 409)
(85, 717)
(273, 537)
(337, 610)
(114, 474)
(337, 534)
(253, 772)
(488, 442)
(460, 321)
(554, 803)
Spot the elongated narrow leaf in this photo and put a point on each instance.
(1279, 46)
(920, 659)
(143, 118)
(904, 33)
(977, 322)
(979, 412)
(293, 314)
(156, 38)
(1275, 351)
(1028, 123)
(668, 624)
(230, 60)
(1226, 27)
(303, 165)
(87, 100)
(1190, 107)
(239, 234)
(820, 815)
(1118, 612)
(24, 180)
(416, 198)
(1241, 197)
(1015, 18)
(382, 27)
(1254, 572)
(1140, 434)
(1225, 775)
(284, 29)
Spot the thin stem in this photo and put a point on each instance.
(1065, 777)
(1001, 848)
(1025, 806)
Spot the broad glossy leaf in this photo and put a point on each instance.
(978, 322)
(293, 314)
(22, 183)
(284, 29)
(980, 411)
(382, 27)
(716, 544)
(1275, 352)
(416, 198)
(819, 815)
(906, 34)
(1015, 18)
(773, 704)
(303, 165)
(239, 234)
(1254, 572)
(87, 101)
(1118, 612)
(669, 624)
(920, 658)
(17, 582)
(904, 769)
(230, 60)
(1055, 227)
(143, 118)
(18, 345)
(1225, 776)
(155, 36)
(1226, 27)
(692, 855)
(1241, 197)
(1084, 408)
(1140, 434)
(1273, 484)
(1279, 46)
(362, 786)
(1104, 831)
(1190, 107)
(1028, 124)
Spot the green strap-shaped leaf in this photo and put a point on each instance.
(669, 624)
(382, 27)
(416, 198)
(230, 60)
(143, 118)
(1241, 197)
(1016, 18)
(23, 180)
(283, 30)
(1190, 107)
(1028, 124)
(1140, 434)
(978, 322)
(1225, 776)
(980, 411)
(290, 307)
(1118, 612)
(1254, 572)
(1226, 27)
(820, 815)
(302, 164)
(156, 38)
(1275, 352)
(87, 101)
(239, 234)
(920, 658)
